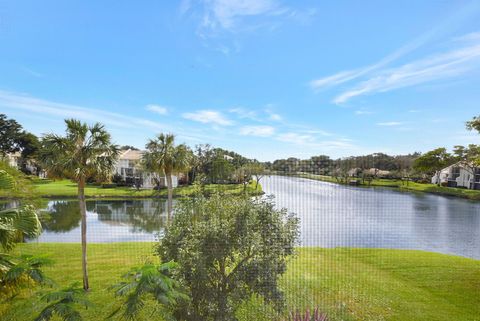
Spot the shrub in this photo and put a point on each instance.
(228, 248)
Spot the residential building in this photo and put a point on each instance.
(459, 175)
(129, 169)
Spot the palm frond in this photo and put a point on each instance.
(149, 280)
(63, 304)
(16, 223)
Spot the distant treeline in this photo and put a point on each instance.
(323, 165)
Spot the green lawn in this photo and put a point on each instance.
(350, 284)
(412, 186)
(66, 188)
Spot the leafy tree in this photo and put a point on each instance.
(165, 159)
(86, 152)
(243, 176)
(126, 147)
(228, 248)
(468, 157)
(474, 124)
(63, 304)
(221, 170)
(257, 170)
(10, 133)
(433, 161)
(152, 281)
(13, 139)
(30, 145)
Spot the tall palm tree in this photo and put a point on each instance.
(85, 152)
(165, 159)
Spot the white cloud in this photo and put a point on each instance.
(157, 109)
(35, 105)
(390, 123)
(348, 75)
(275, 117)
(363, 112)
(208, 116)
(437, 67)
(32, 72)
(296, 138)
(226, 13)
(317, 146)
(473, 36)
(260, 131)
(244, 113)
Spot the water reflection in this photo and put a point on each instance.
(108, 221)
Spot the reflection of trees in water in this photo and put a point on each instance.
(61, 216)
(143, 215)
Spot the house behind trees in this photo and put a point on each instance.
(128, 171)
(459, 175)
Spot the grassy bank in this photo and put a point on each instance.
(411, 186)
(66, 188)
(351, 284)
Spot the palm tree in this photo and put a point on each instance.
(165, 159)
(86, 152)
(148, 280)
(15, 225)
(63, 304)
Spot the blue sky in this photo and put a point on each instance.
(266, 78)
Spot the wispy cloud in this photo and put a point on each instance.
(296, 138)
(348, 75)
(226, 14)
(157, 109)
(274, 116)
(390, 123)
(312, 142)
(243, 113)
(436, 67)
(376, 73)
(259, 131)
(32, 72)
(363, 112)
(35, 105)
(208, 117)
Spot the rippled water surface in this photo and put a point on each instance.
(335, 215)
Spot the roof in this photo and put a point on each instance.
(131, 154)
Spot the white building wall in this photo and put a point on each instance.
(465, 179)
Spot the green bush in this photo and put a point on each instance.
(228, 249)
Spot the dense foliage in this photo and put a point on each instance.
(228, 249)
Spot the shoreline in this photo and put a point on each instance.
(65, 189)
(472, 195)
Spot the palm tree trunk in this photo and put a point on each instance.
(168, 177)
(83, 213)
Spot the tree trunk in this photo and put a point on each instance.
(83, 213)
(168, 177)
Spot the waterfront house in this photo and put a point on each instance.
(128, 167)
(459, 175)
